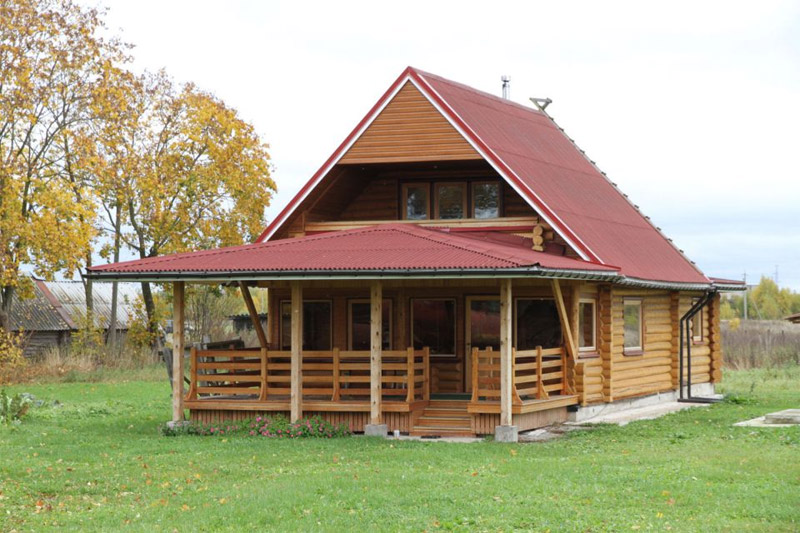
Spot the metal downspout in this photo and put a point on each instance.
(686, 339)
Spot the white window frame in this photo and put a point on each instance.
(633, 350)
(593, 347)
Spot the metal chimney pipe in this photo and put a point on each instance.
(506, 86)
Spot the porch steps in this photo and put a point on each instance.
(444, 418)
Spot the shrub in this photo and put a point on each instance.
(273, 427)
(12, 361)
(760, 343)
(13, 408)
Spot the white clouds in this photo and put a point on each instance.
(691, 107)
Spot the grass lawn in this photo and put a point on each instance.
(98, 462)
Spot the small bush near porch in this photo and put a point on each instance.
(97, 461)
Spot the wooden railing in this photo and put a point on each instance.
(537, 374)
(332, 375)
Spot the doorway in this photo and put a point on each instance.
(482, 329)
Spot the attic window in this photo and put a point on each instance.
(416, 201)
(451, 200)
(485, 199)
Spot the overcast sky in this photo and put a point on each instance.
(692, 108)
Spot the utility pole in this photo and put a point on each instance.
(745, 295)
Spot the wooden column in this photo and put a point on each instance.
(506, 344)
(297, 352)
(715, 338)
(177, 350)
(376, 355)
(254, 318)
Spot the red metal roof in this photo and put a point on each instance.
(527, 148)
(389, 246)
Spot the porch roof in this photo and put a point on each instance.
(403, 250)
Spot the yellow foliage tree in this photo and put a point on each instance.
(51, 61)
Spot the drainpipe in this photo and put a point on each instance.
(686, 339)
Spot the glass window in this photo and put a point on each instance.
(360, 329)
(433, 324)
(632, 316)
(451, 200)
(537, 324)
(697, 323)
(485, 200)
(416, 200)
(587, 326)
(316, 325)
(484, 323)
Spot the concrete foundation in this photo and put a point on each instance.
(376, 430)
(702, 390)
(506, 434)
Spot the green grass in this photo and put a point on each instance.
(98, 462)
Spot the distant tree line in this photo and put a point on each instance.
(765, 301)
(95, 159)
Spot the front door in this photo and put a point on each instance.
(482, 328)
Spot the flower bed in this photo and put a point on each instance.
(261, 426)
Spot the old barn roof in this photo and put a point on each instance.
(61, 306)
(545, 167)
(382, 249)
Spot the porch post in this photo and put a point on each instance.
(296, 402)
(506, 432)
(376, 427)
(177, 351)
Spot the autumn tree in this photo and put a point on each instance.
(50, 61)
(189, 172)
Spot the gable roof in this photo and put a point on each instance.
(544, 166)
(375, 250)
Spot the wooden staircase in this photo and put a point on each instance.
(444, 418)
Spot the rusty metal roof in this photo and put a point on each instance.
(61, 305)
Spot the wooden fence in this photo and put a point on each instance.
(332, 375)
(538, 374)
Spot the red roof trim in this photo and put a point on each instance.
(334, 158)
(509, 174)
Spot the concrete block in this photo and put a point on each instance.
(506, 434)
(376, 430)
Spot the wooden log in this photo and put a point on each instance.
(254, 318)
(177, 350)
(506, 343)
(296, 397)
(376, 345)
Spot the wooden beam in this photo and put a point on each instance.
(296, 400)
(506, 344)
(251, 308)
(606, 340)
(675, 320)
(566, 330)
(177, 350)
(506, 223)
(376, 355)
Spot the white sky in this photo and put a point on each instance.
(692, 108)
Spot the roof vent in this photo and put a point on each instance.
(542, 103)
(506, 86)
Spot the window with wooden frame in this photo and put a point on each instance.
(416, 201)
(317, 330)
(697, 323)
(587, 325)
(633, 342)
(433, 324)
(485, 199)
(536, 323)
(359, 329)
(450, 200)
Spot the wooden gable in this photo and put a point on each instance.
(409, 129)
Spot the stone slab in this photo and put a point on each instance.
(787, 416)
(506, 434)
(376, 430)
